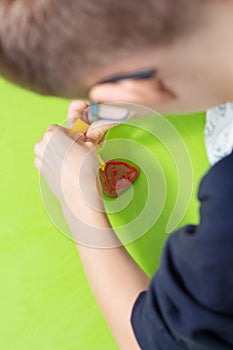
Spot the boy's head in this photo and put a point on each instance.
(64, 47)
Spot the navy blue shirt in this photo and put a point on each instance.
(189, 304)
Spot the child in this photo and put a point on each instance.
(64, 48)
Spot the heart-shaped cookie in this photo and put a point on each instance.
(116, 177)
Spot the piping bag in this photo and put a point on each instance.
(115, 176)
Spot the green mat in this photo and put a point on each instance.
(45, 300)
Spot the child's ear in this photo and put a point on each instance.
(148, 92)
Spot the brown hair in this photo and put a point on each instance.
(53, 45)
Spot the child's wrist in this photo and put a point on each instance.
(86, 213)
(89, 227)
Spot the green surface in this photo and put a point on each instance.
(143, 147)
(45, 301)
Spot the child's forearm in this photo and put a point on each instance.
(116, 280)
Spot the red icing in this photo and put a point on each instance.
(131, 175)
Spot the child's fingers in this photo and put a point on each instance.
(78, 137)
(76, 106)
(98, 129)
(42, 143)
(59, 141)
(37, 163)
(53, 127)
(75, 109)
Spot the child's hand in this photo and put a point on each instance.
(70, 169)
(97, 130)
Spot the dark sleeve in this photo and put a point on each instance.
(189, 304)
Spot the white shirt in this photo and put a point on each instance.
(219, 132)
